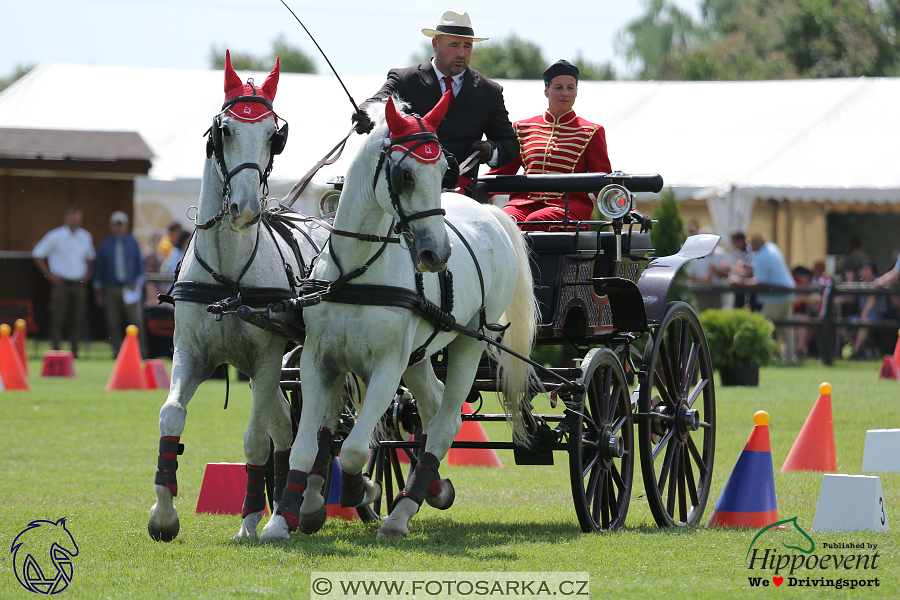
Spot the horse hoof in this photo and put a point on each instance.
(373, 492)
(445, 498)
(163, 534)
(249, 527)
(312, 517)
(393, 529)
(276, 531)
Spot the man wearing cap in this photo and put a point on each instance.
(119, 281)
(557, 141)
(477, 109)
(66, 258)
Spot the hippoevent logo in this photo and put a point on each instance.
(836, 565)
(42, 556)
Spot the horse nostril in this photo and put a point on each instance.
(432, 261)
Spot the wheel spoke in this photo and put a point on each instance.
(591, 486)
(687, 374)
(613, 498)
(673, 463)
(659, 384)
(695, 453)
(664, 470)
(663, 442)
(691, 483)
(617, 426)
(668, 375)
(616, 478)
(605, 396)
(682, 495)
(695, 393)
(602, 506)
(589, 464)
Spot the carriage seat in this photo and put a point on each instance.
(575, 242)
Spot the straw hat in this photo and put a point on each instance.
(453, 23)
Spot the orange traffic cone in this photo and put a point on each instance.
(890, 366)
(814, 448)
(748, 498)
(127, 373)
(472, 431)
(19, 342)
(155, 374)
(12, 371)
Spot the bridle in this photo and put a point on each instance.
(394, 174)
(214, 147)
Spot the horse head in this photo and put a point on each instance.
(243, 141)
(414, 167)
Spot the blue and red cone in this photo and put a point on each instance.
(333, 503)
(748, 499)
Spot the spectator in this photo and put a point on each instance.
(872, 308)
(805, 306)
(119, 281)
(709, 270)
(170, 264)
(153, 260)
(170, 239)
(853, 258)
(770, 269)
(741, 266)
(890, 278)
(66, 258)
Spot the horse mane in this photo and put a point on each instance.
(376, 109)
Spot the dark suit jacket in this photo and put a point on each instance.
(478, 109)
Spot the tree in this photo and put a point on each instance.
(668, 231)
(766, 39)
(293, 59)
(19, 72)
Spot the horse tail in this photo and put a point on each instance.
(522, 314)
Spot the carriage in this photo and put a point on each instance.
(643, 361)
(408, 295)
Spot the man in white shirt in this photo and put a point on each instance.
(66, 258)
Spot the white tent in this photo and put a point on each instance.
(725, 142)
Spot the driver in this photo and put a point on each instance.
(477, 109)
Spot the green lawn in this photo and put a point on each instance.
(73, 450)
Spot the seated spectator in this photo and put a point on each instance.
(806, 305)
(872, 308)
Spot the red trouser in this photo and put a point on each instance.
(530, 216)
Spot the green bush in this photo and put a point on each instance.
(738, 337)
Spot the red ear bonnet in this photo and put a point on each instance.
(249, 111)
(401, 126)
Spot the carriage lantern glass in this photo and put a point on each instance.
(614, 201)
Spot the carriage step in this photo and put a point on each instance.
(533, 457)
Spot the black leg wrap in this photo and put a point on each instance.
(292, 498)
(423, 475)
(352, 490)
(255, 499)
(282, 466)
(320, 465)
(167, 463)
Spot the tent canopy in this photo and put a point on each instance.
(726, 142)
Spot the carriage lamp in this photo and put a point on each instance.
(614, 201)
(328, 202)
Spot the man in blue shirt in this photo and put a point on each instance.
(770, 269)
(119, 281)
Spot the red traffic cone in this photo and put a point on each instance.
(814, 448)
(12, 371)
(155, 374)
(890, 366)
(748, 498)
(127, 373)
(472, 431)
(19, 342)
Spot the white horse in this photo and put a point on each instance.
(397, 179)
(234, 255)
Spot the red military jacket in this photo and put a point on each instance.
(569, 144)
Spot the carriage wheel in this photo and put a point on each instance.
(677, 428)
(601, 444)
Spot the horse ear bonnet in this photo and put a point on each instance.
(451, 175)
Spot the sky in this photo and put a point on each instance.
(359, 37)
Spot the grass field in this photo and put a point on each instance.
(71, 449)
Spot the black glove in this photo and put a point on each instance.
(485, 150)
(636, 216)
(362, 122)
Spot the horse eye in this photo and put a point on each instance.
(408, 177)
(226, 130)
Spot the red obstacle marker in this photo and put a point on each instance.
(155, 374)
(472, 431)
(12, 371)
(127, 373)
(748, 498)
(814, 448)
(223, 489)
(58, 363)
(20, 342)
